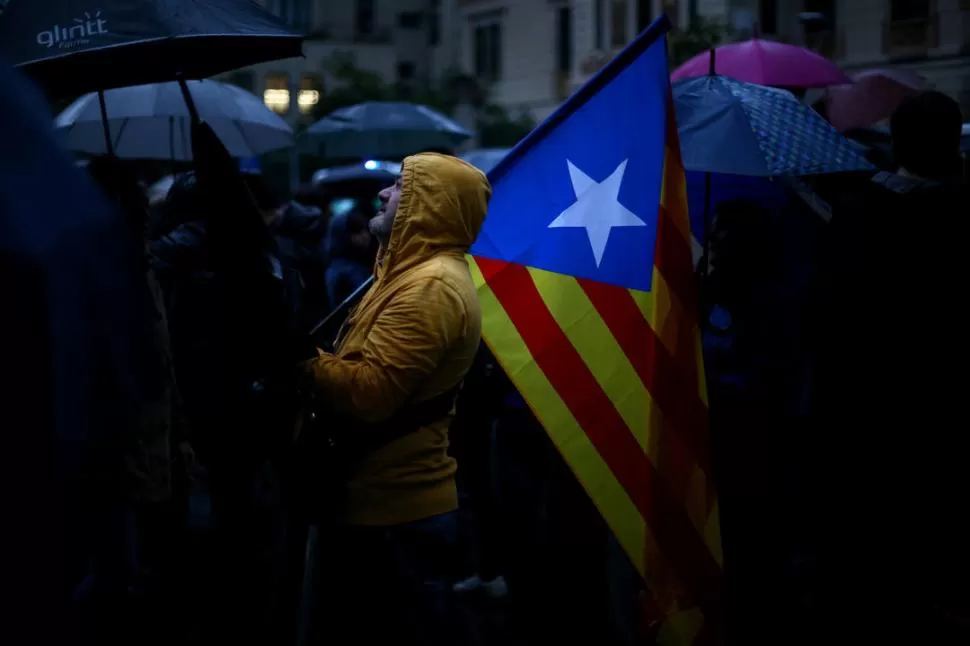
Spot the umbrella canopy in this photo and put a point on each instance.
(76, 46)
(871, 97)
(385, 129)
(485, 159)
(726, 126)
(766, 62)
(153, 122)
(382, 173)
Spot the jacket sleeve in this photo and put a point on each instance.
(404, 346)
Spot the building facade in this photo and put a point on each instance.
(532, 54)
(535, 52)
(397, 39)
(930, 37)
(529, 53)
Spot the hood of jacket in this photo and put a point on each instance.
(442, 209)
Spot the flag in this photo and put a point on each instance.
(585, 280)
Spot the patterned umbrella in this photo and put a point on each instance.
(736, 128)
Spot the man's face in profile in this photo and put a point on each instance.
(381, 224)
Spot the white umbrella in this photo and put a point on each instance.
(153, 122)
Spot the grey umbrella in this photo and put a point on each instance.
(385, 130)
(153, 121)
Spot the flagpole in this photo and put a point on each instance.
(708, 215)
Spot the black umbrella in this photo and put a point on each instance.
(76, 46)
(80, 46)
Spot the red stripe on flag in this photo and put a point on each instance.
(675, 262)
(674, 258)
(669, 383)
(569, 375)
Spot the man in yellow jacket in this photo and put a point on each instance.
(411, 339)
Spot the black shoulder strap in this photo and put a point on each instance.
(408, 420)
(430, 410)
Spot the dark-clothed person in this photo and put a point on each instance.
(350, 254)
(891, 476)
(301, 237)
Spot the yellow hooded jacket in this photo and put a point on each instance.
(412, 337)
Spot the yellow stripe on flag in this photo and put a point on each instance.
(594, 474)
(673, 198)
(589, 334)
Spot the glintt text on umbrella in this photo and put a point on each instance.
(76, 34)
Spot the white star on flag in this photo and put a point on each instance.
(597, 208)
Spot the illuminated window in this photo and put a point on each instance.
(310, 90)
(276, 96)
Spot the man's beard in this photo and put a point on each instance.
(380, 228)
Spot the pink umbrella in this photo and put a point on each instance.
(766, 62)
(873, 96)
